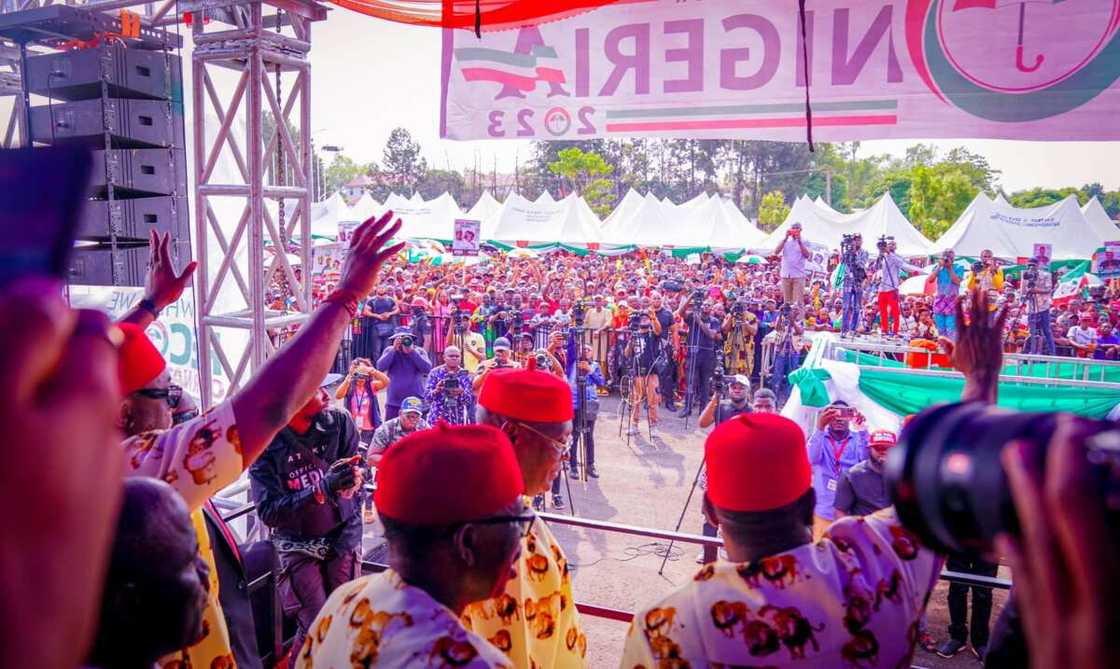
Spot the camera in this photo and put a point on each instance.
(948, 483)
(451, 383)
(578, 312)
(634, 321)
(542, 360)
(1030, 276)
(977, 267)
(697, 296)
(784, 310)
(407, 341)
(882, 243)
(672, 286)
(848, 243)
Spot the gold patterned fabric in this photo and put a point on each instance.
(381, 621)
(852, 599)
(197, 458)
(534, 621)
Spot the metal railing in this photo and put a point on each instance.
(649, 533)
(1083, 372)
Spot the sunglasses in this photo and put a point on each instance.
(524, 521)
(171, 394)
(561, 447)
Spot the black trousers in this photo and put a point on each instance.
(700, 379)
(981, 603)
(589, 440)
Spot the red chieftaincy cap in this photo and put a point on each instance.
(448, 475)
(756, 462)
(529, 395)
(139, 361)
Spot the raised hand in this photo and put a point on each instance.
(978, 351)
(162, 285)
(368, 253)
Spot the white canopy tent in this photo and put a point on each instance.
(828, 228)
(486, 207)
(823, 205)
(364, 208)
(420, 219)
(1099, 220)
(743, 227)
(625, 208)
(1012, 233)
(545, 221)
(326, 215)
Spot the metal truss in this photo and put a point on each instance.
(277, 167)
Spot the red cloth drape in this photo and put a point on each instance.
(492, 14)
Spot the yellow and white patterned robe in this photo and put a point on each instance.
(534, 621)
(381, 621)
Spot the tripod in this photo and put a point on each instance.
(633, 372)
(690, 364)
(691, 491)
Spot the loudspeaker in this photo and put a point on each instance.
(94, 267)
(131, 124)
(129, 73)
(136, 172)
(135, 218)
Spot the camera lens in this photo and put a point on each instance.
(946, 478)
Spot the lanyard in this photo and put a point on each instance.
(838, 448)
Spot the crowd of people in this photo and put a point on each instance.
(122, 562)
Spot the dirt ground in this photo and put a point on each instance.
(646, 483)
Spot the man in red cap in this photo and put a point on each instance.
(535, 616)
(201, 456)
(862, 490)
(850, 599)
(450, 501)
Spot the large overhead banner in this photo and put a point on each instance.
(1022, 69)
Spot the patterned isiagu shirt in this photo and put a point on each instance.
(534, 621)
(197, 458)
(852, 599)
(381, 621)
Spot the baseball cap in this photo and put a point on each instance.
(741, 379)
(413, 405)
(501, 343)
(883, 438)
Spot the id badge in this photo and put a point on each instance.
(831, 485)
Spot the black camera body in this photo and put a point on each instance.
(407, 341)
(542, 360)
(948, 483)
(977, 267)
(882, 244)
(634, 321)
(579, 311)
(451, 383)
(697, 296)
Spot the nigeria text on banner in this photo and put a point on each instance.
(1034, 69)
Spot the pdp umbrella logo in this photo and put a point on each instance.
(1015, 61)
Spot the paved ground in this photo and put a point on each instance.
(646, 484)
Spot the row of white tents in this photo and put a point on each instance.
(714, 222)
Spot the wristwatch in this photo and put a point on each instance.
(149, 306)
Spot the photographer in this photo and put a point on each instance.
(304, 485)
(598, 324)
(358, 392)
(587, 369)
(794, 253)
(667, 371)
(788, 347)
(855, 261)
(1037, 286)
(377, 323)
(410, 419)
(502, 360)
(739, 329)
(448, 394)
(986, 274)
(700, 361)
(406, 366)
(419, 322)
(717, 411)
(833, 449)
(473, 343)
(947, 294)
(641, 353)
(890, 267)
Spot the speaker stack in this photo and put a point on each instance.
(122, 98)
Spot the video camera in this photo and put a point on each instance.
(579, 310)
(948, 483)
(848, 244)
(451, 383)
(883, 242)
(696, 297)
(634, 321)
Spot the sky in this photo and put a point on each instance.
(370, 76)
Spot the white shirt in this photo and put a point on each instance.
(793, 262)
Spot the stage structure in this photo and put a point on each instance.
(274, 79)
(266, 45)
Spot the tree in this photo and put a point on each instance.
(584, 174)
(403, 164)
(938, 196)
(772, 210)
(437, 182)
(342, 171)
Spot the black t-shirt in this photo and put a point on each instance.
(646, 348)
(700, 339)
(727, 410)
(665, 318)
